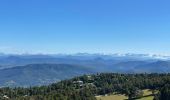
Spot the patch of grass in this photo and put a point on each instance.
(146, 96)
(112, 97)
(147, 92)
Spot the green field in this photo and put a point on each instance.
(123, 97)
(112, 97)
(147, 98)
(147, 92)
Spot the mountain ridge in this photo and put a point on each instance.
(40, 74)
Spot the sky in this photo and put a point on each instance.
(91, 26)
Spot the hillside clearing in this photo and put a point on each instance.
(146, 96)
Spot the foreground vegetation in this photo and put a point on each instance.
(147, 95)
(112, 97)
(88, 86)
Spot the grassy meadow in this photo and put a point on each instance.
(146, 96)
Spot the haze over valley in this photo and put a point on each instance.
(37, 70)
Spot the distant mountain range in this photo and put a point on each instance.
(11, 60)
(33, 70)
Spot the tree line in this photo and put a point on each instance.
(86, 87)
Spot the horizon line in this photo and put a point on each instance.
(81, 53)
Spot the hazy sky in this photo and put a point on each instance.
(94, 26)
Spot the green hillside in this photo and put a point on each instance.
(87, 87)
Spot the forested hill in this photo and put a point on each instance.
(44, 74)
(40, 74)
(88, 86)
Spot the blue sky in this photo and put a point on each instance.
(93, 26)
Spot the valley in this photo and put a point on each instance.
(37, 70)
(92, 87)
